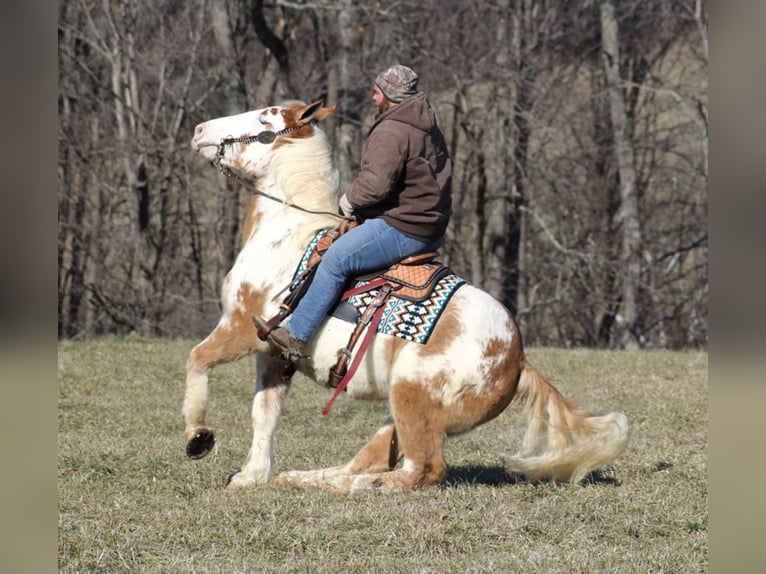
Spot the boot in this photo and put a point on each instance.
(288, 347)
(282, 343)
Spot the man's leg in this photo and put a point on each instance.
(370, 246)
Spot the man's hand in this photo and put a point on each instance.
(346, 207)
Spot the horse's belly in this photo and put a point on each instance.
(371, 380)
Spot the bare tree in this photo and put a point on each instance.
(580, 156)
(627, 217)
(227, 27)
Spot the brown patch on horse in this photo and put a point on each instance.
(237, 337)
(235, 161)
(500, 367)
(276, 243)
(302, 117)
(379, 454)
(504, 373)
(226, 343)
(421, 425)
(253, 219)
(423, 420)
(447, 329)
(253, 302)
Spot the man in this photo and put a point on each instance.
(402, 195)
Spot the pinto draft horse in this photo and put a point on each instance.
(467, 373)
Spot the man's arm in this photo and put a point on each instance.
(383, 162)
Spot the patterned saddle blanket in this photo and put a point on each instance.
(421, 289)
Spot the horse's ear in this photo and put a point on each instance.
(323, 113)
(314, 111)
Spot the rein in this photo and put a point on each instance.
(264, 137)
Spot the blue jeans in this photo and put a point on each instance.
(370, 246)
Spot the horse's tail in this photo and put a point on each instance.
(563, 443)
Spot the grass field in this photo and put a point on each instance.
(130, 500)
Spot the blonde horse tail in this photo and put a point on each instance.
(563, 443)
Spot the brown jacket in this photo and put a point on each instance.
(406, 174)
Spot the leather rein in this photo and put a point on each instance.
(264, 137)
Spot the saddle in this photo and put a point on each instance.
(413, 278)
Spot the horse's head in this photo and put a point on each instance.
(246, 142)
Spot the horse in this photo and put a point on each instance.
(469, 370)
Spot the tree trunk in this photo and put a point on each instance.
(275, 81)
(235, 94)
(339, 84)
(496, 245)
(525, 29)
(503, 235)
(126, 112)
(628, 214)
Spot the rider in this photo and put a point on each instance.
(402, 196)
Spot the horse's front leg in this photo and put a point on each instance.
(223, 345)
(270, 394)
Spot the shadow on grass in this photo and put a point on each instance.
(477, 474)
(498, 476)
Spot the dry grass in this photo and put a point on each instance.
(130, 501)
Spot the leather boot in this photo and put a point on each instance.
(282, 343)
(287, 346)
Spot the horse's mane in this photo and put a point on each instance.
(304, 171)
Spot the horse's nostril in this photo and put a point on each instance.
(198, 131)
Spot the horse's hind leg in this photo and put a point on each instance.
(421, 426)
(380, 454)
(419, 431)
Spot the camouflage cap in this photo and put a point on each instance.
(397, 83)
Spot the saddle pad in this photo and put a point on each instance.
(411, 320)
(304, 262)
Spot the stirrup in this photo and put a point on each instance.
(277, 348)
(261, 326)
(286, 352)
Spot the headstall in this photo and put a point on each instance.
(265, 137)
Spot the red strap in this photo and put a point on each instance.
(374, 284)
(371, 328)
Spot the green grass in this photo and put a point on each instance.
(130, 500)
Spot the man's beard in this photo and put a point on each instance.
(384, 106)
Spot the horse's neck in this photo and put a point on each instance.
(271, 216)
(275, 238)
(275, 230)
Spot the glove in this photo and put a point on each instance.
(346, 207)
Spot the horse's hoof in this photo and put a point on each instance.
(231, 476)
(200, 444)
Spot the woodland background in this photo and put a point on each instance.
(578, 129)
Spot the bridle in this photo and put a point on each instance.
(265, 137)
